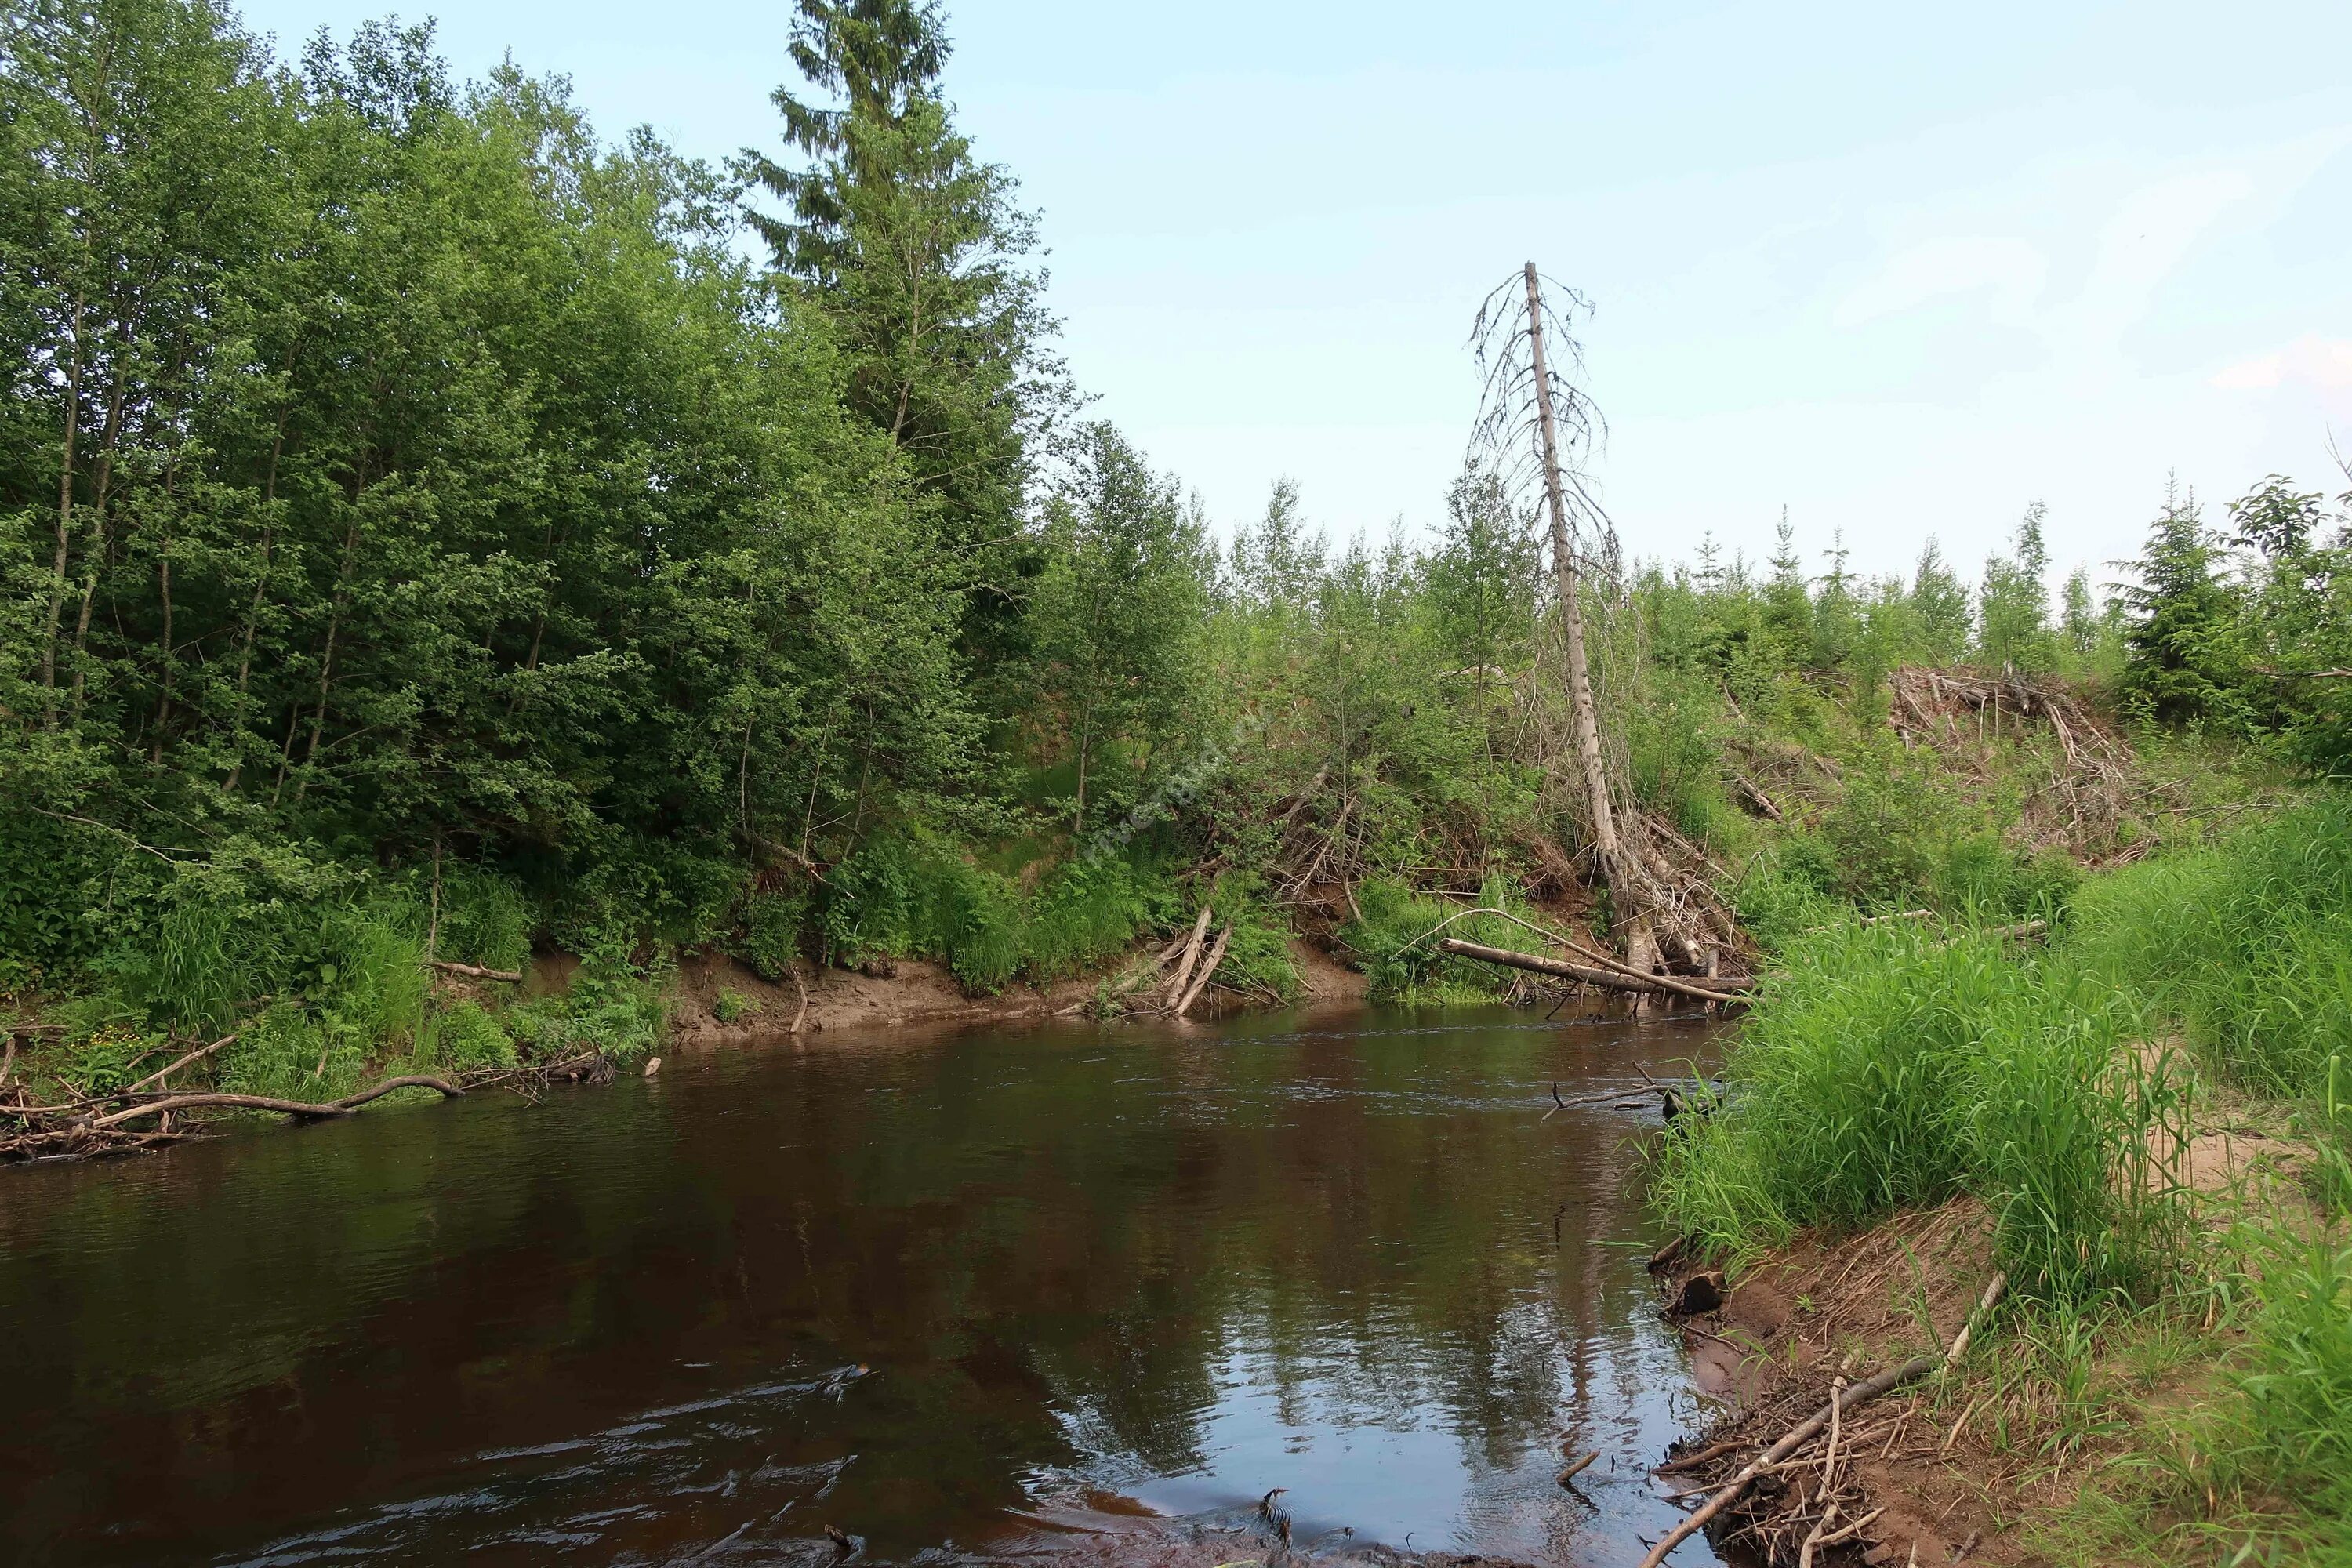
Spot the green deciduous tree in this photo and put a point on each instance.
(2013, 604)
(1115, 616)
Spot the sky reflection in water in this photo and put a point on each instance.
(1351, 1259)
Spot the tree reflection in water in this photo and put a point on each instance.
(1350, 1258)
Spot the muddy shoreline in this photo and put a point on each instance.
(917, 990)
(1773, 1344)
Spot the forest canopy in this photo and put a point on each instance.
(396, 474)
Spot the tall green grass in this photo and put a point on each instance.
(1385, 941)
(1889, 1066)
(2244, 947)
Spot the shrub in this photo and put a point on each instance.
(466, 1037)
(1383, 943)
(732, 1005)
(1788, 891)
(285, 1053)
(485, 919)
(771, 930)
(1091, 909)
(1257, 953)
(613, 1005)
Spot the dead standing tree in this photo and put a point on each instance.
(1527, 405)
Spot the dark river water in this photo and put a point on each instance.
(956, 1296)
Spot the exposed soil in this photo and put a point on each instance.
(913, 990)
(1788, 1328)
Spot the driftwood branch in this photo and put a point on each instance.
(474, 972)
(198, 1054)
(284, 1107)
(1811, 1427)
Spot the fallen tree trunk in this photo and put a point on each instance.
(1180, 981)
(1209, 962)
(1728, 987)
(474, 972)
(284, 1107)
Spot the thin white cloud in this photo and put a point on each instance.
(2322, 363)
(2011, 271)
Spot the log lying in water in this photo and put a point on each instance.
(1725, 987)
(284, 1107)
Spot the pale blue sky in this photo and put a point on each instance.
(1902, 268)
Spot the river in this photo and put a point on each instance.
(1007, 1293)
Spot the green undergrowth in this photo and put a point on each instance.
(1387, 941)
(321, 970)
(1891, 1066)
(2196, 1345)
(914, 897)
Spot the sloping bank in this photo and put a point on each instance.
(2143, 1127)
(97, 1074)
(316, 1004)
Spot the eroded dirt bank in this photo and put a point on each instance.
(1909, 1479)
(913, 990)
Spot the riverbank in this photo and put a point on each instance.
(63, 1097)
(718, 1001)
(2143, 1129)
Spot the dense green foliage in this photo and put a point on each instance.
(427, 534)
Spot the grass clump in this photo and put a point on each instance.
(1889, 1067)
(1385, 941)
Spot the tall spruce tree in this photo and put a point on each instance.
(2184, 661)
(918, 253)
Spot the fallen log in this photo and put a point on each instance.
(1729, 986)
(1758, 800)
(474, 972)
(1645, 979)
(284, 1107)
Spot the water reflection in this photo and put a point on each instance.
(910, 1288)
